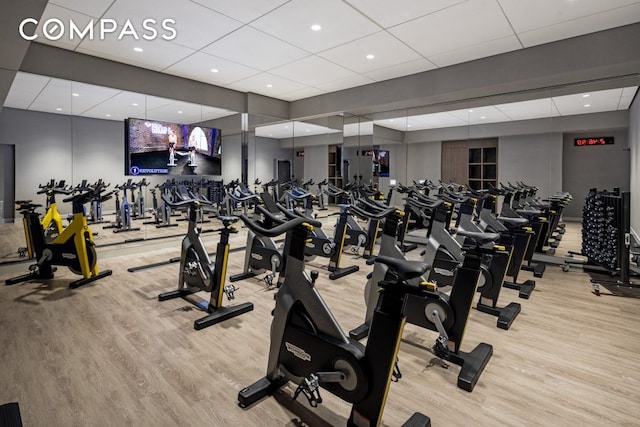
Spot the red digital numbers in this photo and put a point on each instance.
(603, 140)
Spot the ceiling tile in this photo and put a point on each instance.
(390, 13)
(602, 100)
(306, 92)
(258, 84)
(93, 8)
(312, 71)
(255, 49)
(360, 128)
(340, 24)
(476, 51)
(119, 107)
(199, 65)
(56, 94)
(404, 69)
(249, 10)
(65, 15)
(589, 24)
(388, 51)
(196, 26)
(24, 89)
(88, 96)
(157, 54)
(436, 120)
(529, 15)
(463, 25)
(479, 115)
(628, 93)
(534, 109)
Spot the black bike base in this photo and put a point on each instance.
(417, 420)
(506, 315)
(337, 273)
(360, 332)
(409, 247)
(537, 269)
(82, 282)
(221, 314)
(29, 276)
(242, 276)
(124, 230)
(260, 389)
(524, 289)
(10, 415)
(472, 364)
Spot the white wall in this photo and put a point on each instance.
(634, 144)
(532, 159)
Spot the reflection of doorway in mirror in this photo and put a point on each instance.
(198, 139)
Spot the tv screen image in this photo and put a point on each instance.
(380, 163)
(153, 147)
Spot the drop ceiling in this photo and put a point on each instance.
(268, 47)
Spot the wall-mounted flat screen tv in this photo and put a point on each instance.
(380, 163)
(161, 148)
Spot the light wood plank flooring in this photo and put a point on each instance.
(110, 354)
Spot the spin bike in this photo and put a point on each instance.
(73, 248)
(52, 220)
(309, 347)
(430, 308)
(319, 243)
(199, 273)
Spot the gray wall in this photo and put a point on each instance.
(316, 159)
(7, 212)
(262, 152)
(634, 144)
(424, 161)
(532, 159)
(75, 148)
(603, 167)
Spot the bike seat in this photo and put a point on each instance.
(405, 269)
(480, 238)
(513, 222)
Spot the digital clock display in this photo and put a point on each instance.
(599, 140)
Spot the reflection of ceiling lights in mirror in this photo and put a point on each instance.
(269, 85)
(370, 56)
(138, 49)
(282, 131)
(41, 93)
(75, 94)
(565, 105)
(214, 70)
(316, 27)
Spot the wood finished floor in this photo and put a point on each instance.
(110, 354)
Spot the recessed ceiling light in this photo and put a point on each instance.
(471, 111)
(370, 56)
(58, 109)
(138, 49)
(286, 127)
(214, 70)
(408, 126)
(316, 27)
(306, 130)
(75, 94)
(391, 120)
(269, 85)
(108, 115)
(587, 105)
(135, 104)
(482, 117)
(179, 111)
(586, 95)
